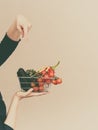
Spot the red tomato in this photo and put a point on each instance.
(39, 79)
(59, 81)
(54, 81)
(41, 88)
(41, 83)
(35, 89)
(46, 76)
(48, 81)
(32, 84)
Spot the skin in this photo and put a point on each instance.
(12, 112)
(19, 29)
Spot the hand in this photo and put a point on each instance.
(23, 25)
(19, 28)
(29, 93)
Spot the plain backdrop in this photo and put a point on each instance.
(65, 30)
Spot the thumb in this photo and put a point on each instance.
(29, 91)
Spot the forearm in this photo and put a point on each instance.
(7, 47)
(12, 112)
(18, 29)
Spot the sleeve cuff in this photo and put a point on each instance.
(7, 127)
(10, 40)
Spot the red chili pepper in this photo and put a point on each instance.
(51, 72)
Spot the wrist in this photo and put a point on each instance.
(17, 97)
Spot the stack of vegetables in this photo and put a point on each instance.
(39, 80)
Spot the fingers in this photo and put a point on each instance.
(23, 26)
(28, 92)
(38, 93)
(24, 30)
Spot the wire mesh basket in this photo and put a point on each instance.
(40, 81)
(38, 84)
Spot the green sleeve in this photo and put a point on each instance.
(7, 47)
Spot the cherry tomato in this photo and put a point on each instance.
(41, 83)
(48, 81)
(46, 76)
(59, 81)
(41, 88)
(32, 84)
(35, 89)
(39, 79)
(54, 81)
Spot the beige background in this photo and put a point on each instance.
(65, 30)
